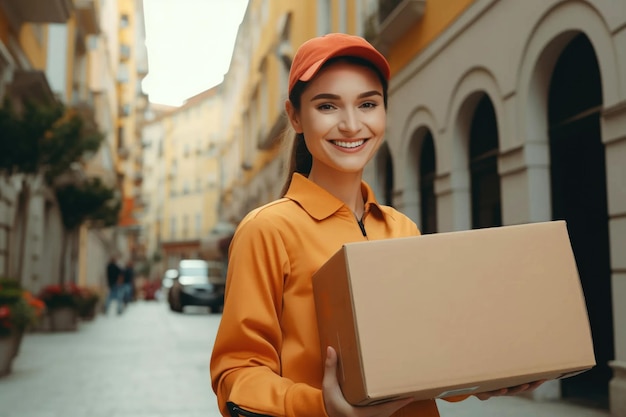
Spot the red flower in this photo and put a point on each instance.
(5, 316)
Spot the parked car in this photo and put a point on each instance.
(168, 278)
(199, 283)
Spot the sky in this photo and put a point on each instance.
(190, 43)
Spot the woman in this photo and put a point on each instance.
(266, 359)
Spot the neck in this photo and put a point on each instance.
(345, 186)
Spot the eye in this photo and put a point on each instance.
(326, 106)
(369, 105)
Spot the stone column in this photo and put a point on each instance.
(525, 183)
(614, 138)
(453, 201)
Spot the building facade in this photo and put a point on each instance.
(487, 130)
(255, 90)
(60, 51)
(132, 67)
(182, 174)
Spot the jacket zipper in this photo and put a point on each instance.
(361, 226)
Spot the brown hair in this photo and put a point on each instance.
(301, 159)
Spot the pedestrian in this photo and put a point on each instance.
(115, 281)
(266, 358)
(129, 282)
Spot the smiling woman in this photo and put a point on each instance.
(266, 359)
(190, 43)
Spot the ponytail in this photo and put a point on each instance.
(300, 161)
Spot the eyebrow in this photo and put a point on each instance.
(328, 96)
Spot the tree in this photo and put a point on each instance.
(52, 140)
(89, 200)
(45, 139)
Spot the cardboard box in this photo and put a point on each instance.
(453, 313)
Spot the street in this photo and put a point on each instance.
(150, 362)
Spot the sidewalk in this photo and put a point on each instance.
(515, 407)
(150, 362)
(146, 362)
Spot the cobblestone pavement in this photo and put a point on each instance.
(150, 362)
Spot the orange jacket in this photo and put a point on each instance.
(266, 357)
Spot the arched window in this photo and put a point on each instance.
(428, 200)
(485, 181)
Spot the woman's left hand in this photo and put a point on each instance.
(509, 391)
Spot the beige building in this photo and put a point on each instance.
(182, 174)
(488, 130)
(153, 135)
(255, 90)
(69, 51)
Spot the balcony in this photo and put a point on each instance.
(36, 11)
(393, 19)
(31, 85)
(88, 16)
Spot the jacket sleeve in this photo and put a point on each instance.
(245, 363)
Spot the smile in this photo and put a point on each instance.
(348, 145)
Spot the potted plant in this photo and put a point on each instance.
(87, 302)
(18, 310)
(62, 303)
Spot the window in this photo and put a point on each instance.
(173, 227)
(485, 180)
(198, 223)
(124, 21)
(323, 17)
(428, 199)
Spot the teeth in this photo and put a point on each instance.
(349, 145)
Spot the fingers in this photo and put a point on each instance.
(486, 395)
(330, 369)
(335, 403)
(510, 391)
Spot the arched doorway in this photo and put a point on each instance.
(428, 199)
(384, 165)
(578, 179)
(483, 155)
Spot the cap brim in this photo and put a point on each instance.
(351, 51)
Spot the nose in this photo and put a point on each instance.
(349, 122)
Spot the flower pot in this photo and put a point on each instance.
(87, 309)
(63, 319)
(9, 346)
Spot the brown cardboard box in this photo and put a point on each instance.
(453, 313)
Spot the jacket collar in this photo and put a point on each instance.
(319, 203)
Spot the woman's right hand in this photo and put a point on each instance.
(337, 406)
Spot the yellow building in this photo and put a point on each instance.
(24, 75)
(181, 179)
(46, 54)
(132, 67)
(255, 90)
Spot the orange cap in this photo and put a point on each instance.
(312, 54)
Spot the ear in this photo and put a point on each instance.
(293, 116)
